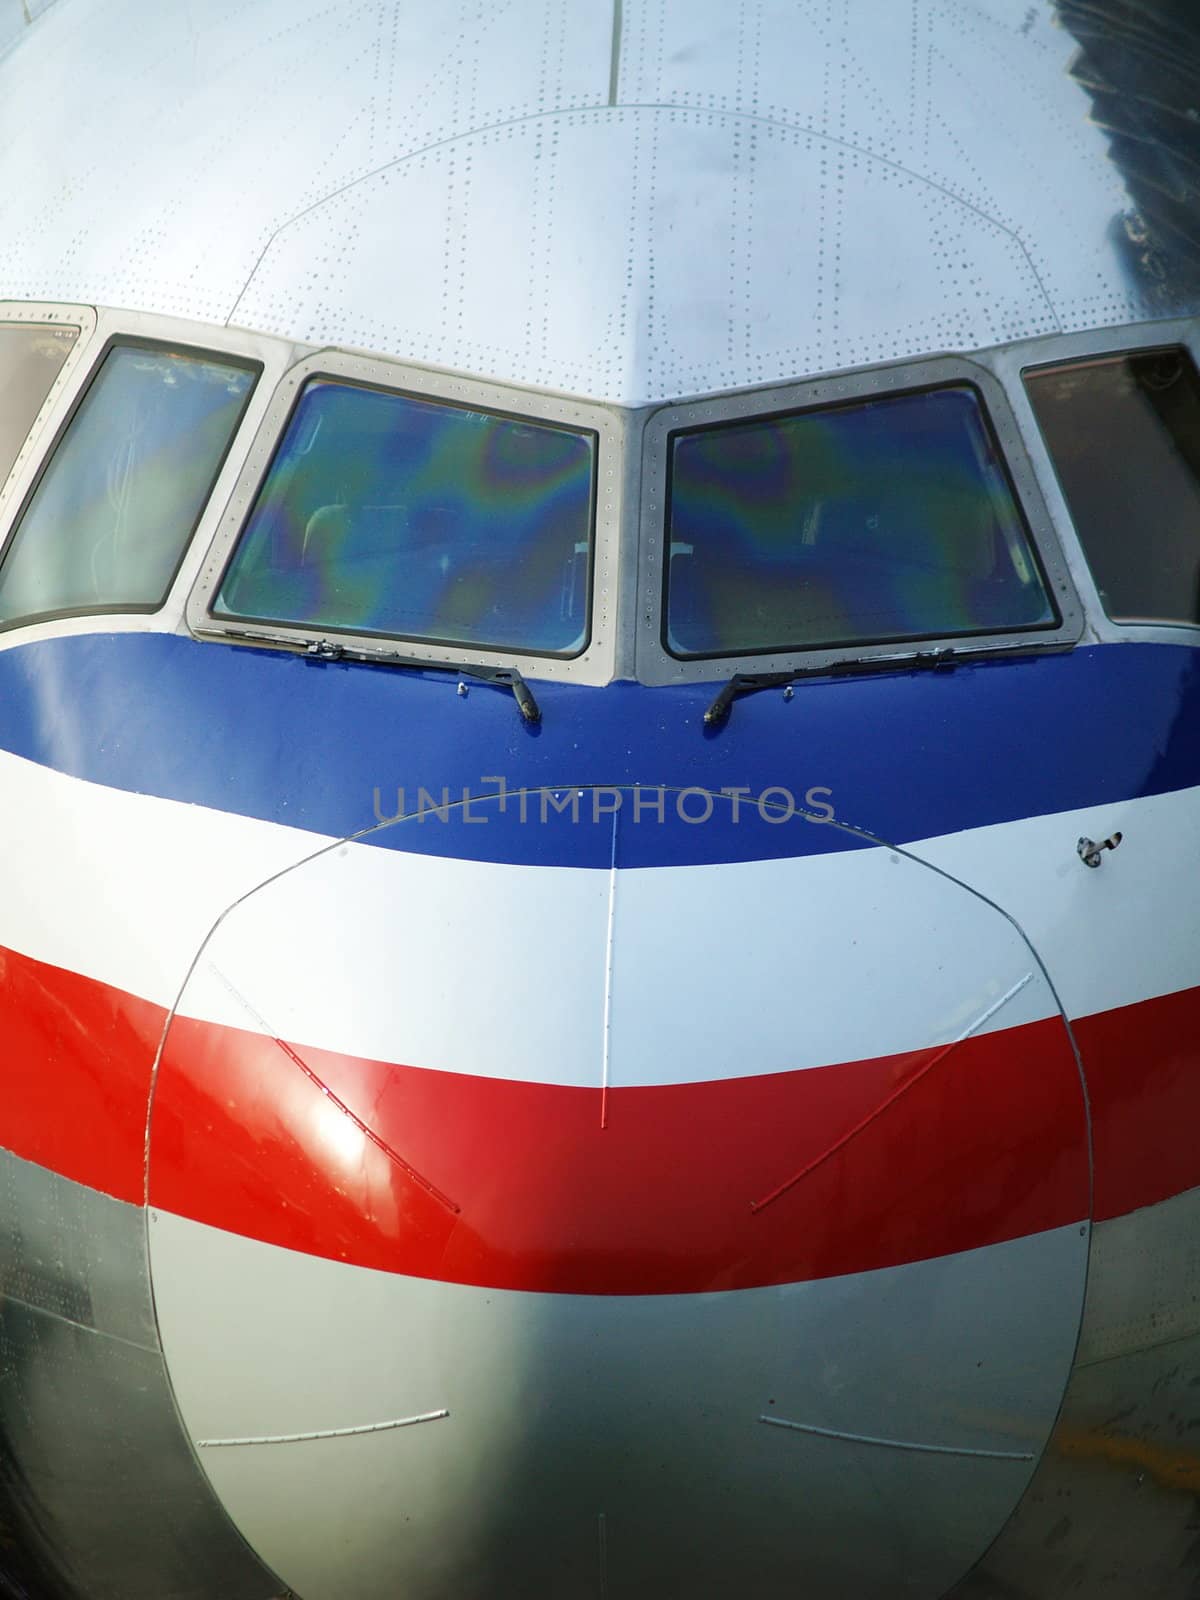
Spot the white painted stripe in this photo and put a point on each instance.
(716, 973)
(123, 887)
(484, 968)
(1110, 936)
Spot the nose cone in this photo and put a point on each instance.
(627, 1229)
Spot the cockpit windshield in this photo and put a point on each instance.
(872, 522)
(388, 515)
(31, 357)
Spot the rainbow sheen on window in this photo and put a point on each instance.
(877, 522)
(388, 515)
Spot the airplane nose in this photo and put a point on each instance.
(589, 1219)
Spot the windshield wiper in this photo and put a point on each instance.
(323, 649)
(506, 678)
(944, 658)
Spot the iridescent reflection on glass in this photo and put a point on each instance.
(872, 523)
(118, 503)
(384, 514)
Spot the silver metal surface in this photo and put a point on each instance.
(100, 1493)
(1111, 1513)
(16, 16)
(757, 191)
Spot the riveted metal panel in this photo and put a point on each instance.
(632, 201)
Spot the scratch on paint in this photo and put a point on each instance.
(759, 1205)
(314, 1078)
(899, 1444)
(325, 1433)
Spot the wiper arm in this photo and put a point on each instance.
(943, 658)
(744, 683)
(505, 678)
(323, 649)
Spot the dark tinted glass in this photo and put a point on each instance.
(872, 523)
(110, 519)
(383, 514)
(1124, 436)
(31, 357)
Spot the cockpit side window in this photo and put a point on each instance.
(875, 522)
(112, 514)
(1123, 433)
(31, 358)
(388, 515)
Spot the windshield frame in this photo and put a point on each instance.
(83, 319)
(605, 424)
(657, 665)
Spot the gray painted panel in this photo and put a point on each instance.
(100, 1494)
(644, 1412)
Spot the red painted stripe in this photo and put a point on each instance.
(486, 1181)
(1143, 1072)
(76, 1061)
(517, 1185)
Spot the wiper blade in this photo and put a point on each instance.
(324, 649)
(943, 658)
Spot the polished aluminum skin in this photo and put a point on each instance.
(100, 1490)
(634, 202)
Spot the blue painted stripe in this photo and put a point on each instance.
(320, 746)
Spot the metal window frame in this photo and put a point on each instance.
(655, 665)
(593, 664)
(1010, 363)
(41, 314)
(112, 331)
